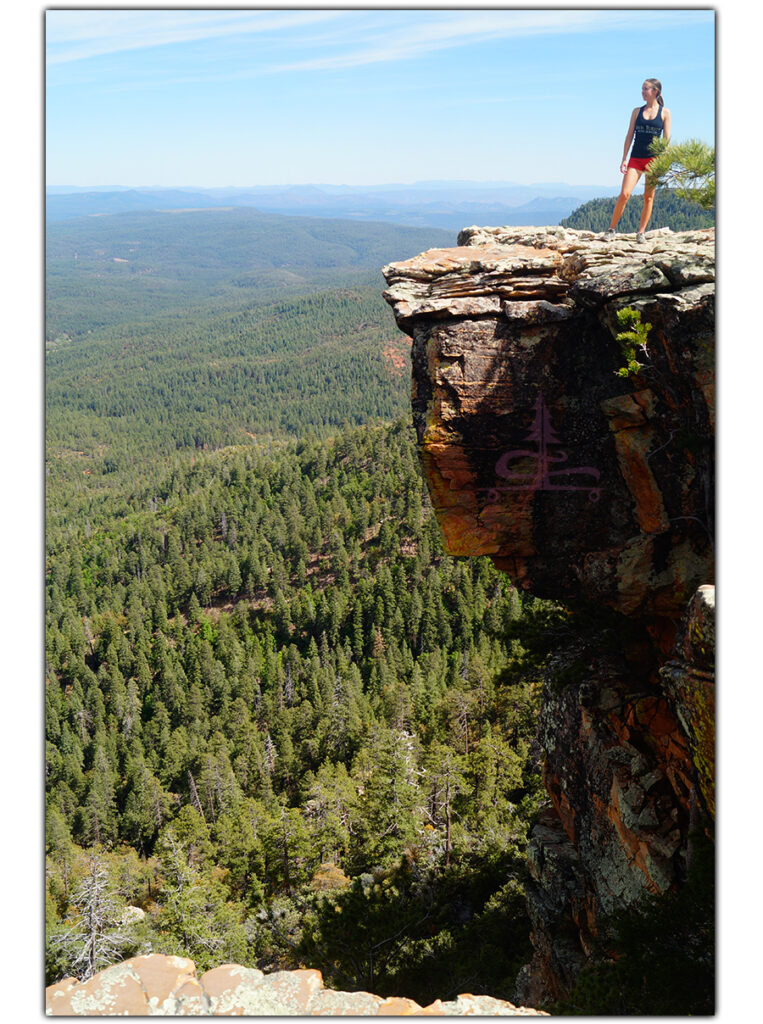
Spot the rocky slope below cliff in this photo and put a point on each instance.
(595, 489)
(168, 986)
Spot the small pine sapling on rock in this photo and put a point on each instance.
(632, 340)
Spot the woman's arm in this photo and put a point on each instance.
(628, 140)
(666, 124)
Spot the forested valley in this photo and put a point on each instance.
(283, 728)
(186, 264)
(668, 212)
(273, 696)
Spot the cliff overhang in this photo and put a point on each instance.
(577, 481)
(595, 489)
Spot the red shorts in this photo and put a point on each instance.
(640, 162)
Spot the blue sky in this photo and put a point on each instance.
(601, 80)
(241, 97)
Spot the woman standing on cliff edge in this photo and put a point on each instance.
(646, 123)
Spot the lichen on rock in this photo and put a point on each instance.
(595, 490)
(165, 986)
(579, 483)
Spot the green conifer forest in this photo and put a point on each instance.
(283, 728)
(668, 212)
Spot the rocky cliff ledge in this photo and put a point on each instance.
(168, 986)
(596, 490)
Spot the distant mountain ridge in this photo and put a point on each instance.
(447, 205)
(113, 269)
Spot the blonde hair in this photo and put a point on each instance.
(658, 86)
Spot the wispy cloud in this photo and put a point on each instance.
(342, 42)
(441, 30)
(80, 35)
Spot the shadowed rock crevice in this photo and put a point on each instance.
(624, 515)
(596, 490)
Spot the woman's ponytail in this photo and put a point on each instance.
(658, 86)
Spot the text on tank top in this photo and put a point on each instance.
(644, 132)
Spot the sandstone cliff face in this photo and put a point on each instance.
(595, 490)
(513, 336)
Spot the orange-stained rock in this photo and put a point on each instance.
(227, 977)
(55, 995)
(191, 1000)
(161, 976)
(609, 501)
(114, 991)
(476, 1006)
(231, 990)
(434, 1009)
(327, 1003)
(292, 990)
(594, 489)
(635, 440)
(397, 1006)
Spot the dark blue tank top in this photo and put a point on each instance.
(644, 132)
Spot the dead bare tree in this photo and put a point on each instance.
(97, 937)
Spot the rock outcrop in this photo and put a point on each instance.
(578, 482)
(168, 986)
(594, 489)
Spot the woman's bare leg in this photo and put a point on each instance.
(646, 211)
(630, 180)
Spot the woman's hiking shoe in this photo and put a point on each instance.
(609, 233)
(640, 237)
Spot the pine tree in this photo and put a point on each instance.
(61, 854)
(147, 806)
(445, 780)
(688, 168)
(391, 802)
(98, 815)
(196, 918)
(240, 852)
(329, 807)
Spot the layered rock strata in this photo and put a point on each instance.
(528, 434)
(168, 986)
(594, 489)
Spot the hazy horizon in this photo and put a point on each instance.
(417, 183)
